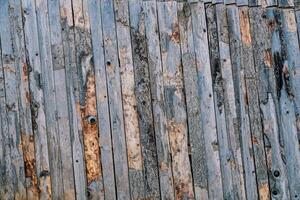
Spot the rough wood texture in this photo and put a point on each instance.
(133, 99)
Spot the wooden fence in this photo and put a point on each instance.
(116, 99)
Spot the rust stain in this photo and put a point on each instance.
(25, 72)
(29, 161)
(45, 185)
(268, 58)
(90, 132)
(264, 193)
(290, 21)
(245, 26)
(175, 37)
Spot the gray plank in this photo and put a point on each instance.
(261, 37)
(15, 167)
(196, 137)
(129, 99)
(253, 105)
(240, 92)
(208, 121)
(47, 82)
(61, 97)
(144, 104)
(175, 99)
(68, 39)
(115, 99)
(102, 101)
(158, 102)
(217, 84)
(230, 103)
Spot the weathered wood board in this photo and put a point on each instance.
(134, 99)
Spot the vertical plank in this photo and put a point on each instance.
(36, 99)
(158, 102)
(47, 80)
(230, 103)
(102, 101)
(22, 69)
(129, 99)
(115, 99)
(196, 137)
(69, 50)
(174, 98)
(15, 167)
(241, 104)
(253, 105)
(261, 41)
(61, 97)
(286, 70)
(217, 84)
(143, 95)
(208, 120)
(6, 189)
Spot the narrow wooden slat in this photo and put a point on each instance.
(22, 69)
(115, 99)
(196, 137)
(246, 2)
(252, 101)
(6, 189)
(175, 99)
(288, 68)
(230, 103)
(208, 120)
(285, 3)
(224, 144)
(241, 104)
(61, 97)
(102, 101)
(36, 99)
(47, 80)
(144, 104)
(129, 99)
(15, 167)
(261, 40)
(158, 102)
(228, 2)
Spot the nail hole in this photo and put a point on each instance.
(36, 54)
(275, 192)
(108, 63)
(91, 119)
(276, 173)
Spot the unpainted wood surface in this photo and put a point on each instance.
(133, 99)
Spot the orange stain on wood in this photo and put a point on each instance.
(90, 132)
(264, 193)
(245, 26)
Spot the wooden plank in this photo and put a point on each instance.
(230, 103)
(115, 99)
(158, 102)
(217, 84)
(61, 97)
(15, 167)
(261, 41)
(129, 99)
(253, 105)
(47, 80)
(291, 44)
(196, 137)
(102, 101)
(240, 92)
(288, 82)
(285, 3)
(36, 99)
(143, 101)
(208, 120)
(6, 189)
(175, 99)
(22, 67)
(87, 102)
(68, 38)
